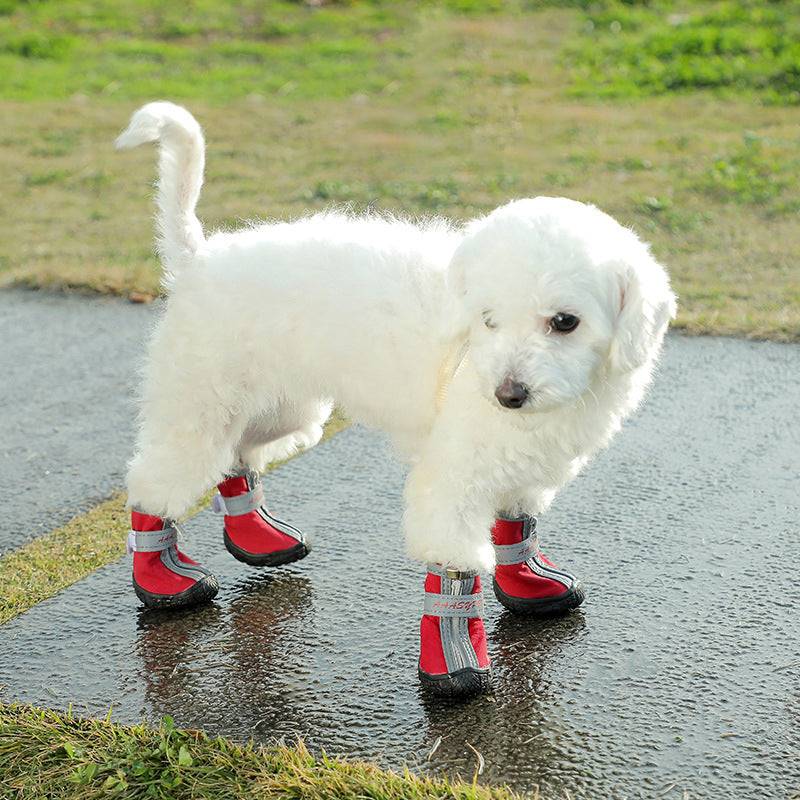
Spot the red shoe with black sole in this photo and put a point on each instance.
(453, 658)
(163, 576)
(251, 534)
(525, 581)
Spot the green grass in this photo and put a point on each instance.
(643, 48)
(44, 754)
(415, 108)
(53, 562)
(200, 49)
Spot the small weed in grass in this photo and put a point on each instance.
(438, 194)
(34, 44)
(745, 175)
(46, 178)
(334, 191)
(630, 164)
(661, 212)
(559, 180)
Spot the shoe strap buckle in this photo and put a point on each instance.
(451, 573)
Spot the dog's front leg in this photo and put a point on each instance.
(525, 580)
(447, 522)
(448, 514)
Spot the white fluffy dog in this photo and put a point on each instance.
(498, 355)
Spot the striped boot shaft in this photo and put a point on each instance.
(453, 655)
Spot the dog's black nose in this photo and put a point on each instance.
(511, 394)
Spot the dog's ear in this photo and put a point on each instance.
(646, 306)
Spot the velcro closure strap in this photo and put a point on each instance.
(152, 541)
(516, 553)
(241, 504)
(454, 605)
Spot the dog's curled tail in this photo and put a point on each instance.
(180, 168)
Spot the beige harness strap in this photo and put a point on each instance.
(451, 366)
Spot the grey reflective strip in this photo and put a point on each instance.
(543, 571)
(241, 504)
(279, 525)
(169, 558)
(444, 572)
(448, 605)
(152, 541)
(516, 553)
(456, 644)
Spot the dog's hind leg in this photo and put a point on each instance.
(187, 440)
(252, 534)
(279, 433)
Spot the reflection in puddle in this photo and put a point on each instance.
(265, 668)
(235, 664)
(518, 729)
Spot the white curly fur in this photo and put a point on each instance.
(265, 328)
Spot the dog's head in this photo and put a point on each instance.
(557, 296)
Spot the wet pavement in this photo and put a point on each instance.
(679, 675)
(68, 370)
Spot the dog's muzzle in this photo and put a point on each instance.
(511, 394)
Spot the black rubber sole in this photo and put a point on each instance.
(463, 683)
(277, 559)
(202, 591)
(543, 607)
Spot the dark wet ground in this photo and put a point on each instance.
(67, 368)
(679, 674)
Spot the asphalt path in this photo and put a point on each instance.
(680, 672)
(68, 369)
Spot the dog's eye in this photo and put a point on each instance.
(564, 323)
(488, 321)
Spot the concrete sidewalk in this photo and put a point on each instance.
(69, 369)
(679, 673)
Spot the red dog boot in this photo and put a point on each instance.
(163, 577)
(524, 580)
(251, 533)
(453, 659)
